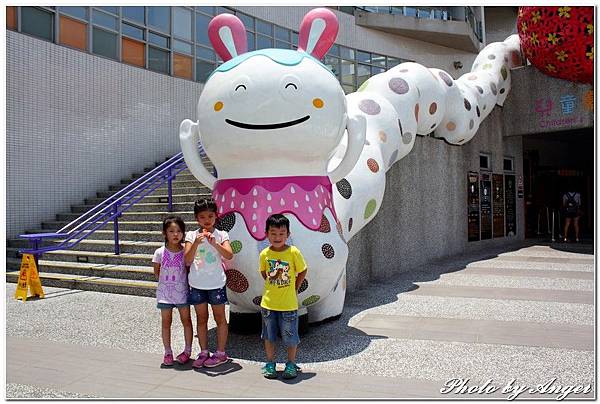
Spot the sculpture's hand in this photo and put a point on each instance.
(357, 132)
(189, 136)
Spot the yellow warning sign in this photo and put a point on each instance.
(28, 279)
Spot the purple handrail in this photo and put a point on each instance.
(110, 209)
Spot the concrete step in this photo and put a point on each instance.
(96, 284)
(187, 216)
(126, 235)
(191, 183)
(142, 247)
(94, 257)
(198, 188)
(185, 174)
(139, 225)
(158, 198)
(132, 272)
(143, 207)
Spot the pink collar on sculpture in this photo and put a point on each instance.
(306, 197)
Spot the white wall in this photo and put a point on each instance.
(77, 123)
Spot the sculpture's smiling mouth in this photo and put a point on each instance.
(267, 126)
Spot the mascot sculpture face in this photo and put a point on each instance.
(271, 112)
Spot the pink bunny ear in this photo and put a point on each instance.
(318, 31)
(228, 36)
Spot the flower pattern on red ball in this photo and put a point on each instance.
(559, 41)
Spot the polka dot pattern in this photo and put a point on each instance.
(310, 300)
(450, 126)
(372, 164)
(350, 222)
(236, 246)
(432, 108)
(303, 286)
(226, 222)
(494, 88)
(417, 112)
(491, 57)
(504, 72)
(467, 105)
(324, 227)
(327, 251)
(480, 89)
(471, 124)
(236, 281)
(369, 107)
(382, 136)
(344, 188)
(407, 137)
(478, 112)
(502, 91)
(370, 208)
(398, 85)
(257, 300)
(447, 79)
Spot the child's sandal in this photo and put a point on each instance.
(183, 358)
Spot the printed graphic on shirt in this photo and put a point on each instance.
(278, 272)
(203, 254)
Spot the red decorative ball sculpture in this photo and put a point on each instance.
(559, 41)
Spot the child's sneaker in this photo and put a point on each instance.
(215, 360)
(183, 357)
(199, 362)
(168, 360)
(269, 370)
(290, 371)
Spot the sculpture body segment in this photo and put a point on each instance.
(285, 139)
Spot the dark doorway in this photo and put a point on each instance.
(555, 163)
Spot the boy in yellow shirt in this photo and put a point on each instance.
(283, 268)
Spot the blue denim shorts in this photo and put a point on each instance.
(280, 322)
(171, 306)
(213, 296)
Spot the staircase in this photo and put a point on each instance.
(92, 264)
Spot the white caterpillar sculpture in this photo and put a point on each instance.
(279, 130)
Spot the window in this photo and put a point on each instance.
(79, 12)
(159, 17)
(73, 33)
(38, 22)
(104, 43)
(484, 161)
(283, 34)
(203, 70)
(158, 39)
(134, 14)
(182, 23)
(182, 47)
(158, 60)
(132, 31)
(508, 164)
(251, 44)
(104, 20)
(247, 20)
(133, 52)
(202, 29)
(263, 42)
(207, 10)
(205, 53)
(113, 10)
(264, 27)
(182, 66)
(362, 74)
(11, 17)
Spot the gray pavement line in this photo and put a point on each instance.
(524, 333)
(525, 272)
(547, 295)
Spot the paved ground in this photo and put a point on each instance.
(526, 315)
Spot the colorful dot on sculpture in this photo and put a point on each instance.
(372, 164)
(369, 107)
(327, 251)
(338, 227)
(303, 286)
(350, 224)
(310, 300)
(559, 40)
(236, 281)
(370, 208)
(226, 222)
(236, 246)
(324, 227)
(257, 300)
(344, 188)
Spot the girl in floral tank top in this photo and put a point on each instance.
(172, 290)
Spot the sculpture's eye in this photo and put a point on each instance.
(291, 85)
(240, 87)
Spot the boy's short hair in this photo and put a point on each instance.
(277, 220)
(204, 204)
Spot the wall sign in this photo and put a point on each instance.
(498, 204)
(485, 196)
(473, 206)
(510, 205)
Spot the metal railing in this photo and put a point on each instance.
(110, 209)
